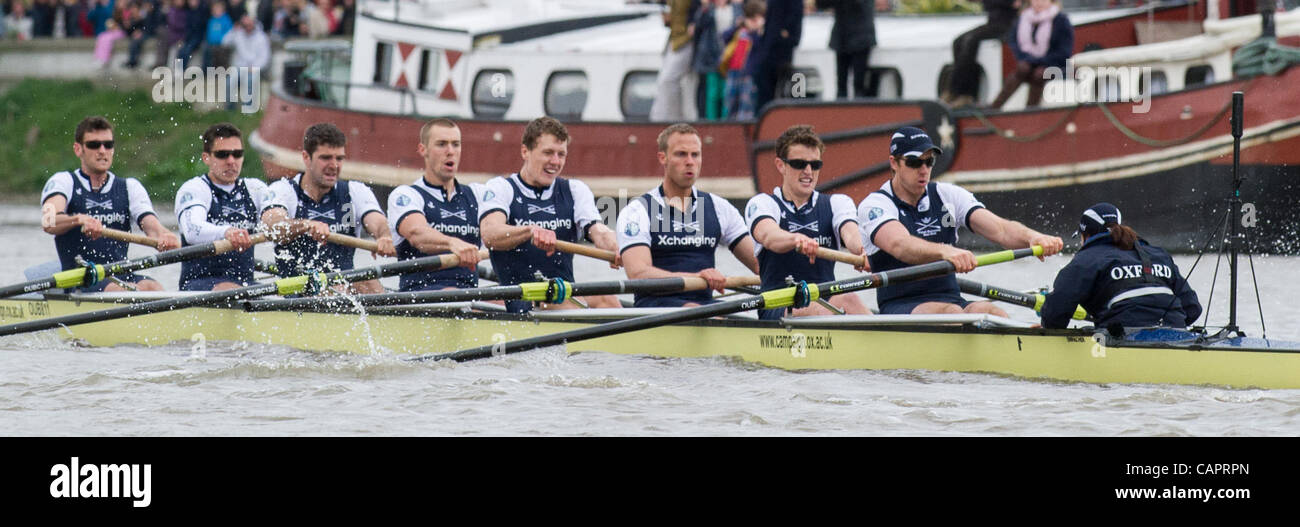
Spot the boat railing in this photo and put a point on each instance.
(338, 92)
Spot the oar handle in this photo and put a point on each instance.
(842, 257)
(114, 234)
(223, 245)
(350, 241)
(584, 250)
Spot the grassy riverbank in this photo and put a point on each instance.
(157, 143)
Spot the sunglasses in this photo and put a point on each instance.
(222, 154)
(800, 164)
(94, 145)
(916, 162)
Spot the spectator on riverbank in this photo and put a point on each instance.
(196, 27)
(852, 37)
(219, 25)
(173, 32)
(1042, 38)
(712, 19)
(101, 11)
(668, 102)
(314, 22)
(347, 17)
(249, 45)
(43, 12)
(771, 62)
(104, 43)
(963, 81)
(17, 25)
(236, 9)
(738, 101)
(140, 28)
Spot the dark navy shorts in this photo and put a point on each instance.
(904, 306)
(99, 287)
(207, 283)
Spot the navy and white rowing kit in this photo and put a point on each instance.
(566, 207)
(456, 216)
(819, 219)
(204, 211)
(680, 241)
(343, 209)
(117, 204)
(940, 211)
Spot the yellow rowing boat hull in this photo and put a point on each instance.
(1027, 353)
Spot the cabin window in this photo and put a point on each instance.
(428, 71)
(804, 83)
(890, 85)
(566, 94)
(1159, 84)
(638, 94)
(494, 90)
(1198, 75)
(383, 63)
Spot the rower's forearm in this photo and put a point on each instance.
(506, 237)
(431, 242)
(62, 224)
(917, 251)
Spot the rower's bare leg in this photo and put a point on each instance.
(937, 308)
(226, 286)
(601, 301)
(367, 287)
(143, 285)
(557, 307)
(986, 307)
(851, 304)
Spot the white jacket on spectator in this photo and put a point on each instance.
(248, 48)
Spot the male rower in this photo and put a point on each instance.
(437, 214)
(220, 205)
(318, 202)
(912, 220)
(524, 214)
(77, 205)
(795, 220)
(675, 229)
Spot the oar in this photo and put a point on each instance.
(585, 250)
(127, 237)
(351, 241)
(1032, 301)
(78, 276)
(776, 298)
(284, 286)
(553, 291)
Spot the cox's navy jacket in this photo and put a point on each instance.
(1117, 289)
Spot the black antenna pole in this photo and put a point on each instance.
(1234, 211)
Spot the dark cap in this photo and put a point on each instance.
(1094, 219)
(910, 141)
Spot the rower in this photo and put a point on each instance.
(437, 214)
(219, 205)
(913, 220)
(675, 229)
(77, 205)
(792, 222)
(525, 213)
(1121, 280)
(319, 203)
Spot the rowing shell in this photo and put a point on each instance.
(960, 343)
